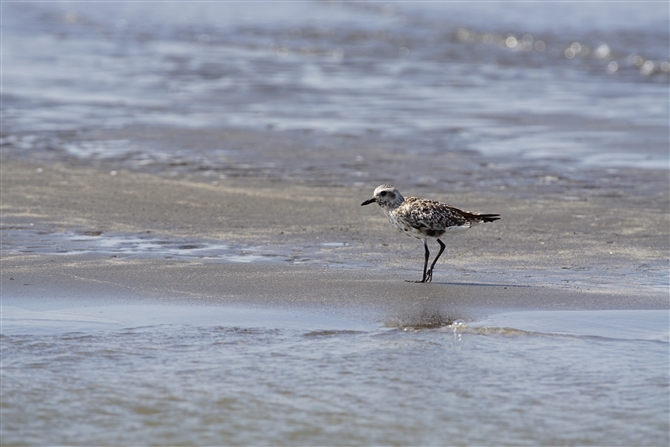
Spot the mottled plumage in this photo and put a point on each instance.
(425, 219)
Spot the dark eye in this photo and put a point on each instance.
(383, 193)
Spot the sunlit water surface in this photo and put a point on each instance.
(176, 375)
(548, 80)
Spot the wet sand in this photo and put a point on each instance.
(53, 283)
(546, 253)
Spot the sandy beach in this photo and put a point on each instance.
(585, 244)
(285, 240)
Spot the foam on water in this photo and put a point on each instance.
(148, 245)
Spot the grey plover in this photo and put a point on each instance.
(425, 219)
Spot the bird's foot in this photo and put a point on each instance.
(427, 278)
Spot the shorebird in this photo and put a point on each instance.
(425, 219)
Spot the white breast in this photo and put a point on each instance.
(403, 227)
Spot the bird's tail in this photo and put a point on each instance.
(488, 217)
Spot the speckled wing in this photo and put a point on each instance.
(431, 216)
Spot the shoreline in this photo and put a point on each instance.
(45, 284)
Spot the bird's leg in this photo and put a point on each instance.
(425, 263)
(430, 272)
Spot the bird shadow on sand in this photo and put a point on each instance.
(478, 284)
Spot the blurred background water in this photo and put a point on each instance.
(585, 81)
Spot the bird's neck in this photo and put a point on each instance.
(388, 207)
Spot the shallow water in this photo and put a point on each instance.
(184, 374)
(541, 80)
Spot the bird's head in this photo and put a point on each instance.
(385, 196)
